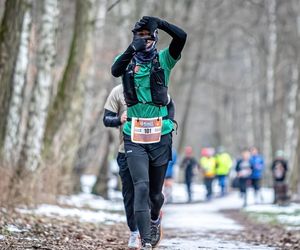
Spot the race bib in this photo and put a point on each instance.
(146, 130)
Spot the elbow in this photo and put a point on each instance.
(105, 121)
(183, 37)
(114, 72)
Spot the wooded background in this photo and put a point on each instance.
(237, 84)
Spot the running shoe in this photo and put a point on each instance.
(156, 231)
(134, 240)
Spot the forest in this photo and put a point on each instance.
(237, 85)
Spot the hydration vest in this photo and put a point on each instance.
(158, 88)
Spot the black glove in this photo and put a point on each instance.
(148, 23)
(151, 23)
(138, 43)
(137, 27)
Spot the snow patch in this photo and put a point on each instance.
(269, 208)
(91, 201)
(14, 229)
(81, 214)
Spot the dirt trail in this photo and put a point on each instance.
(215, 225)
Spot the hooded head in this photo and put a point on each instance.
(188, 151)
(150, 52)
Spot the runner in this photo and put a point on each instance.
(244, 170)
(168, 183)
(147, 132)
(188, 164)
(208, 166)
(223, 166)
(115, 114)
(258, 164)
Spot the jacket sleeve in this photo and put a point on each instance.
(119, 66)
(237, 167)
(171, 109)
(111, 119)
(178, 35)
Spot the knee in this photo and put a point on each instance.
(141, 195)
(157, 198)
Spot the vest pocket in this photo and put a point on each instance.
(159, 90)
(129, 88)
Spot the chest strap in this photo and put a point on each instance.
(164, 118)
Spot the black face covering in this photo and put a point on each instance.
(149, 53)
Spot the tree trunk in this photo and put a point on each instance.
(94, 97)
(65, 117)
(193, 78)
(12, 141)
(271, 62)
(10, 34)
(295, 163)
(290, 134)
(101, 185)
(39, 103)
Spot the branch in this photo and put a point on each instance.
(113, 5)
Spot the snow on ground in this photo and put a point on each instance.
(203, 220)
(85, 206)
(207, 243)
(205, 215)
(92, 208)
(82, 214)
(270, 208)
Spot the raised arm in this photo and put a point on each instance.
(120, 65)
(178, 35)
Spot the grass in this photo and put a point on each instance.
(273, 218)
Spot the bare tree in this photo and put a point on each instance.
(271, 64)
(65, 117)
(12, 141)
(11, 29)
(38, 109)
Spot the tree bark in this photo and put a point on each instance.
(10, 34)
(268, 126)
(12, 141)
(101, 185)
(193, 79)
(94, 97)
(40, 99)
(271, 62)
(65, 117)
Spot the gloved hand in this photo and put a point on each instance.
(138, 43)
(151, 23)
(138, 26)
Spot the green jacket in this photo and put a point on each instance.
(142, 82)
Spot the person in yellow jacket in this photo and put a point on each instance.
(208, 166)
(223, 166)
